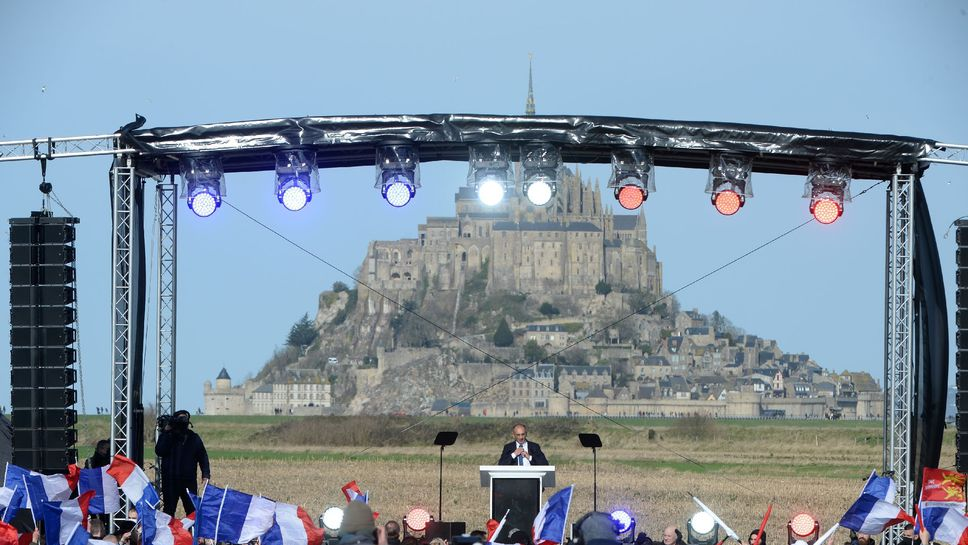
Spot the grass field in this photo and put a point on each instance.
(650, 466)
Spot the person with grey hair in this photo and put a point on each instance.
(358, 527)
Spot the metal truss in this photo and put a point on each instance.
(123, 180)
(52, 148)
(948, 154)
(166, 209)
(899, 339)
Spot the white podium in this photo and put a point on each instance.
(518, 488)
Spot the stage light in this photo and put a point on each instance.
(540, 192)
(333, 519)
(727, 202)
(397, 173)
(827, 187)
(702, 529)
(624, 521)
(297, 178)
(803, 527)
(632, 176)
(542, 168)
(729, 182)
(203, 184)
(417, 519)
(489, 172)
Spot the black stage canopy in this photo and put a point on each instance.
(345, 141)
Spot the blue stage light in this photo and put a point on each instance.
(624, 520)
(397, 173)
(203, 199)
(294, 192)
(202, 184)
(398, 190)
(297, 178)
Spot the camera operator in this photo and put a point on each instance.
(181, 451)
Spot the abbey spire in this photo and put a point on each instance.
(529, 105)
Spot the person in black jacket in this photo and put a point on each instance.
(182, 452)
(521, 451)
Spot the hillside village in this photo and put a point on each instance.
(568, 299)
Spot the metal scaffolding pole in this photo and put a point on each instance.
(165, 207)
(899, 354)
(122, 191)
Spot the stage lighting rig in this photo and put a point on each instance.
(803, 527)
(397, 173)
(489, 172)
(632, 177)
(827, 187)
(203, 184)
(542, 168)
(729, 182)
(297, 178)
(702, 529)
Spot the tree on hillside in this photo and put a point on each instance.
(340, 286)
(548, 309)
(603, 288)
(302, 333)
(533, 352)
(503, 335)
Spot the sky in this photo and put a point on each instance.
(887, 67)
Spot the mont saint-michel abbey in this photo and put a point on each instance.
(564, 248)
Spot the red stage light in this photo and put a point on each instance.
(803, 525)
(727, 202)
(631, 196)
(826, 210)
(417, 519)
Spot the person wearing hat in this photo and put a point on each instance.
(596, 528)
(182, 453)
(358, 527)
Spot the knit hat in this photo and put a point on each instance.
(357, 519)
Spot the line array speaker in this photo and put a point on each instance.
(961, 341)
(42, 335)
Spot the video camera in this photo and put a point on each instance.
(179, 419)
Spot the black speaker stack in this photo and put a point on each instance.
(961, 341)
(43, 313)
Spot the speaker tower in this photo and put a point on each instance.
(43, 313)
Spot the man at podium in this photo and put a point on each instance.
(522, 452)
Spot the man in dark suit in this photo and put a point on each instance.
(522, 452)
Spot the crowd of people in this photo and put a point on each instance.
(183, 456)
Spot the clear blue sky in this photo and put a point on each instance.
(880, 67)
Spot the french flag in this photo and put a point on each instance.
(946, 524)
(10, 501)
(80, 536)
(106, 497)
(159, 528)
(874, 511)
(549, 525)
(352, 492)
(132, 480)
(227, 515)
(292, 527)
(60, 517)
(52, 487)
